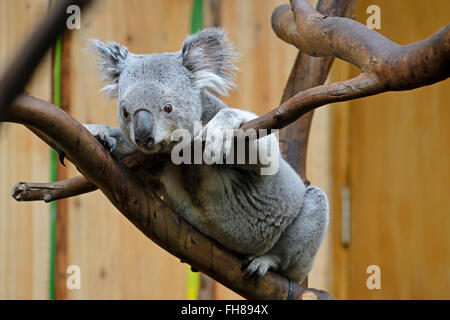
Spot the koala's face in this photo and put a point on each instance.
(155, 97)
(160, 93)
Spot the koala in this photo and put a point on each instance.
(273, 220)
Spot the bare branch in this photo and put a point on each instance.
(33, 191)
(397, 67)
(305, 101)
(384, 65)
(29, 191)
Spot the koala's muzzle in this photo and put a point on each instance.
(143, 128)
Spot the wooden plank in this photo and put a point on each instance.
(116, 260)
(61, 245)
(399, 174)
(266, 61)
(340, 167)
(24, 227)
(319, 168)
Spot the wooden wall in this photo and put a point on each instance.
(392, 152)
(24, 227)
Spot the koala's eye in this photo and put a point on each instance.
(125, 113)
(168, 107)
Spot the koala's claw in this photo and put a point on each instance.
(61, 156)
(249, 267)
(108, 142)
(257, 266)
(246, 262)
(113, 147)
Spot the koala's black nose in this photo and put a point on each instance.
(143, 128)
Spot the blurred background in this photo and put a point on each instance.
(384, 161)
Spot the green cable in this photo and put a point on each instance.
(193, 278)
(54, 164)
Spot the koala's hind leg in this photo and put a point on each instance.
(294, 252)
(299, 243)
(260, 265)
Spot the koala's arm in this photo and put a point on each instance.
(112, 139)
(211, 105)
(265, 150)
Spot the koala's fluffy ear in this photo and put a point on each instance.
(110, 56)
(209, 55)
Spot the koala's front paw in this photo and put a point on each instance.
(217, 142)
(103, 135)
(218, 135)
(110, 143)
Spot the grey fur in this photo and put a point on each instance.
(275, 220)
(110, 57)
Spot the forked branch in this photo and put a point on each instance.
(385, 65)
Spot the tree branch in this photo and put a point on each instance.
(30, 191)
(397, 67)
(385, 65)
(305, 101)
(145, 210)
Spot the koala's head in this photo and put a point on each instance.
(159, 93)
